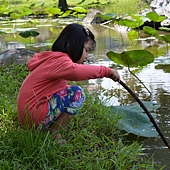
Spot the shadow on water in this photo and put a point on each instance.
(155, 76)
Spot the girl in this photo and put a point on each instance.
(45, 98)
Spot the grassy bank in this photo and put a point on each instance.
(113, 6)
(93, 138)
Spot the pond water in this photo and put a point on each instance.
(156, 76)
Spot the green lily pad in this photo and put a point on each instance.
(150, 31)
(155, 17)
(107, 16)
(133, 58)
(134, 120)
(53, 11)
(129, 23)
(79, 9)
(28, 33)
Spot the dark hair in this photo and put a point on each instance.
(72, 39)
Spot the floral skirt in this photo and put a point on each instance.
(68, 100)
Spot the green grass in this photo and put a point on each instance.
(121, 7)
(93, 138)
(114, 6)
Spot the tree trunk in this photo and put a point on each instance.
(62, 4)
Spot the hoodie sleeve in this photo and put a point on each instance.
(66, 69)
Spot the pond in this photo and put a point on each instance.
(156, 76)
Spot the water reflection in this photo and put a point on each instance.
(155, 76)
(158, 81)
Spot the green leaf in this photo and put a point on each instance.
(28, 33)
(129, 23)
(136, 17)
(25, 11)
(116, 57)
(150, 31)
(107, 17)
(81, 15)
(155, 17)
(79, 9)
(53, 11)
(164, 67)
(133, 58)
(65, 14)
(15, 16)
(133, 34)
(165, 38)
(134, 121)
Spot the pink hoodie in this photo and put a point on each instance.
(49, 73)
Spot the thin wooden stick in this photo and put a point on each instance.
(146, 111)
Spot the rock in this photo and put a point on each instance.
(162, 7)
(92, 17)
(19, 55)
(166, 23)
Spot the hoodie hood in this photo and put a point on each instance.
(40, 58)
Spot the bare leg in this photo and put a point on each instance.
(60, 122)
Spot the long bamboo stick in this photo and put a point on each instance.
(147, 112)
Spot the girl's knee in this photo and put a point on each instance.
(78, 93)
(77, 100)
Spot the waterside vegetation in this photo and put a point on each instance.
(19, 7)
(94, 140)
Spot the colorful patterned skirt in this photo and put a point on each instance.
(69, 100)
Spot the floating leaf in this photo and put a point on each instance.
(81, 15)
(164, 67)
(107, 17)
(150, 31)
(79, 9)
(65, 14)
(15, 16)
(133, 58)
(28, 33)
(129, 23)
(134, 121)
(53, 11)
(25, 11)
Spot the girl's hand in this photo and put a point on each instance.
(114, 75)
